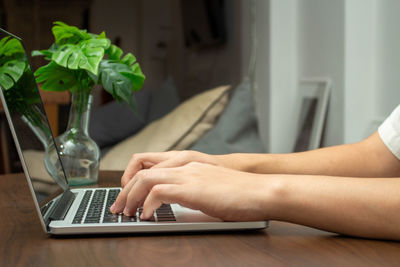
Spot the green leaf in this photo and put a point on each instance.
(46, 53)
(11, 47)
(6, 82)
(11, 72)
(57, 78)
(136, 76)
(86, 55)
(114, 82)
(3, 41)
(129, 59)
(139, 77)
(38, 53)
(114, 52)
(102, 35)
(65, 34)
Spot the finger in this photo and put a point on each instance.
(127, 177)
(160, 194)
(139, 162)
(119, 204)
(170, 163)
(146, 180)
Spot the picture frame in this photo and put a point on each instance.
(311, 107)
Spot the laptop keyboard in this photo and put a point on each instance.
(95, 208)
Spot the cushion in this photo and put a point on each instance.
(177, 130)
(236, 129)
(164, 100)
(114, 121)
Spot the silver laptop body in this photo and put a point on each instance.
(63, 210)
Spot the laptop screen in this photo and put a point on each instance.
(28, 121)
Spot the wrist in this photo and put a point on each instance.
(276, 194)
(249, 162)
(263, 197)
(235, 161)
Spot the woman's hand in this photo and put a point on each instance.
(217, 191)
(167, 160)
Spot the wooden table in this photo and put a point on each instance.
(23, 243)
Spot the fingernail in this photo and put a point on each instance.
(126, 212)
(112, 208)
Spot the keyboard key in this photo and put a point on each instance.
(82, 207)
(165, 213)
(108, 216)
(96, 207)
(102, 199)
(128, 218)
(113, 218)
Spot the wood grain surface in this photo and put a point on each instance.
(23, 243)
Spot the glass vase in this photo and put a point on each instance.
(79, 154)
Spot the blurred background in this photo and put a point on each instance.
(192, 45)
(197, 42)
(205, 43)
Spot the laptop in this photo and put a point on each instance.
(65, 211)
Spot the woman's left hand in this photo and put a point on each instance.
(217, 191)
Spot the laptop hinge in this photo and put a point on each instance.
(62, 206)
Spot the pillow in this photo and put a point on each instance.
(164, 100)
(177, 130)
(236, 129)
(114, 121)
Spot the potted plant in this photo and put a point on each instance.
(78, 61)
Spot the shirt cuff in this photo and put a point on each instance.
(389, 132)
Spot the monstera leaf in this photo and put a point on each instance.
(11, 48)
(57, 78)
(11, 72)
(115, 81)
(64, 33)
(86, 55)
(12, 62)
(135, 74)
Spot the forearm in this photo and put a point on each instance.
(369, 158)
(367, 207)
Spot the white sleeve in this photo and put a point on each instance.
(389, 131)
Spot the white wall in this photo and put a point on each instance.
(276, 72)
(355, 43)
(359, 69)
(320, 53)
(388, 56)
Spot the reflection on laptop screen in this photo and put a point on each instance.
(28, 120)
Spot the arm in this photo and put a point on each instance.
(368, 158)
(352, 206)
(366, 207)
